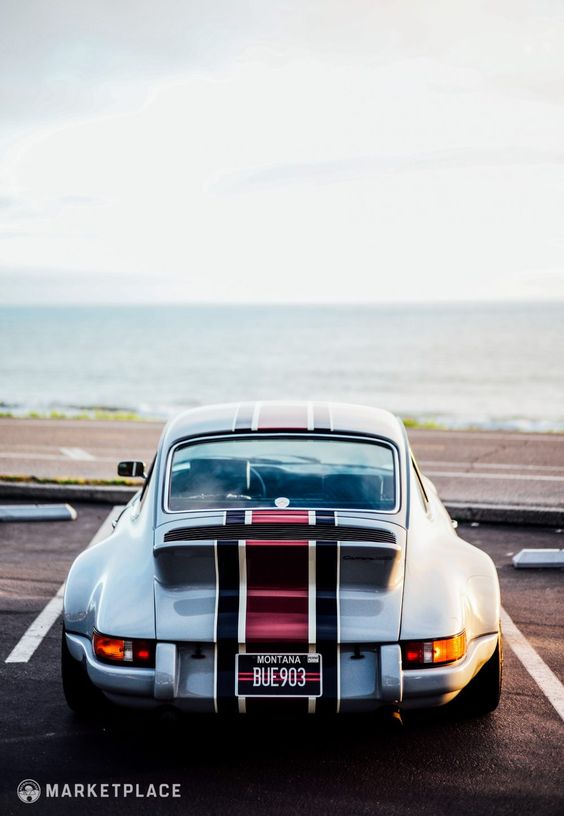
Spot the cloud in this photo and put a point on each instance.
(43, 286)
(9, 202)
(241, 150)
(362, 167)
(63, 60)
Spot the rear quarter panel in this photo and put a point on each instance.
(449, 585)
(110, 586)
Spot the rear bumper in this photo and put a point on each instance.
(367, 681)
(423, 688)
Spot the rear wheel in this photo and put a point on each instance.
(80, 693)
(483, 692)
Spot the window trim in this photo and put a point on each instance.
(146, 483)
(420, 484)
(286, 434)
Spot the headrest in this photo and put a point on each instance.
(212, 476)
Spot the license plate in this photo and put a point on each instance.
(278, 675)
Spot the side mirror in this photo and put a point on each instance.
(131, 469)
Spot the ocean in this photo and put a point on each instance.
(457, 365)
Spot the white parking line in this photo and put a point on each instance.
(79, 454)
(544, 677)
(523, 477)
(491, 436)
(492, 465)
(35, 633)
(55, 457)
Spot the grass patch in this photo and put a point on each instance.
(426, 425)
(69, 480)
(103, 414)
(96, 414)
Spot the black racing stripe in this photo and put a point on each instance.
(326, 553)
(235, 517)
(321, 416)
(244, 416)
(325, 517)
(227, 624)
(272, 707)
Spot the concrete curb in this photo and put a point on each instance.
(37, 512)
(461, 511)
(66, 493)
(507, 514)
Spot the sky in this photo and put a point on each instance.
(315, 151)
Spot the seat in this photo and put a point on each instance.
(211, 477)
(355, 490)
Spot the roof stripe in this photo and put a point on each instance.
(256, 414)
(310, 417)
(322, 417)
(244, 418)
(283, 416)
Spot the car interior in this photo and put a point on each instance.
(234, 482)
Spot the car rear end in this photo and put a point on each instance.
(278, 570)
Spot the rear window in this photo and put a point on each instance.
(282, 471)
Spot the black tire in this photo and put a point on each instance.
(81, 694)
(482, 694)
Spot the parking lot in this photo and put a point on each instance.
(510, 762)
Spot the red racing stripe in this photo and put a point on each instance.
(280, 517)
(277, 591)
(282, 417)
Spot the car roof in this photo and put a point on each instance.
(288, 415)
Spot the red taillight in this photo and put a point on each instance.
(143, 651)
(124, 651)
(426, 653)
(413, 653)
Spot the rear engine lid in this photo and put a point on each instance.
(280, 576)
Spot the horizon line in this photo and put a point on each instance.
(320, 304)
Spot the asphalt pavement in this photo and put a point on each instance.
(467, 466)
(510, 762)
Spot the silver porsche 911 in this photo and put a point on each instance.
(285, 556)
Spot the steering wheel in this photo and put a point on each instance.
(260, 480)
